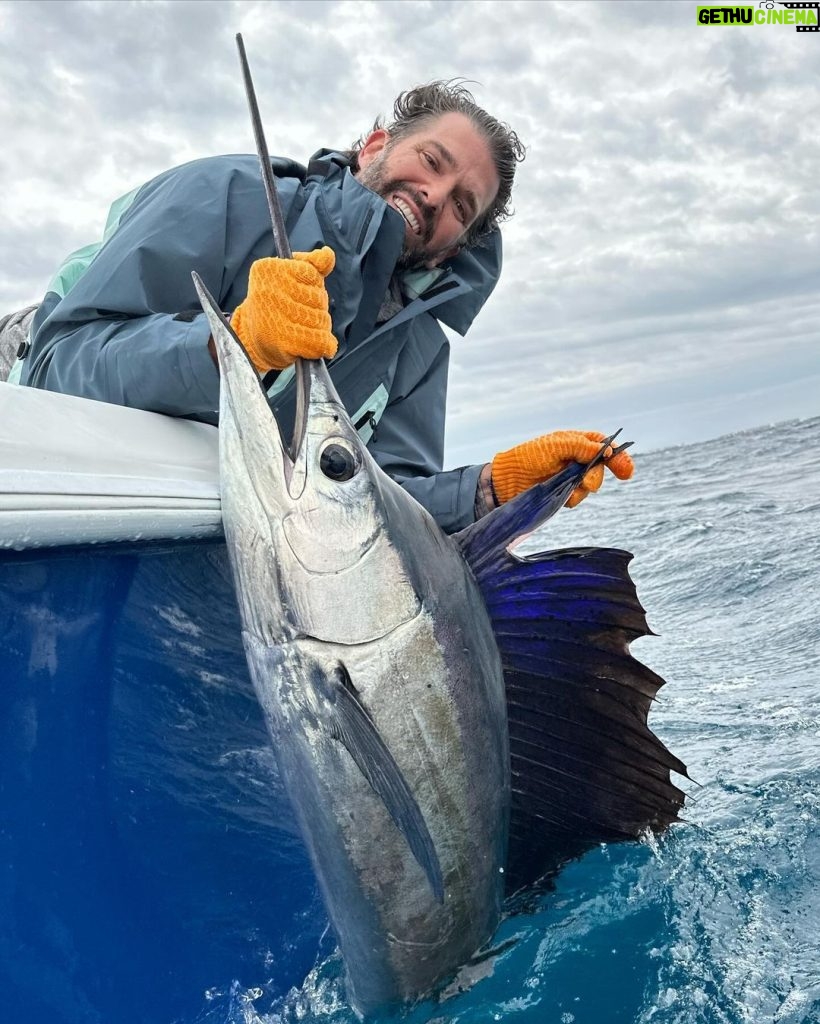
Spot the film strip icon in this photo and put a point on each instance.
(811, 5)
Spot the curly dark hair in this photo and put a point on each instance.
(417, 107)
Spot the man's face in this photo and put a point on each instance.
(440, 179)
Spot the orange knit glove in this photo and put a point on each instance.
(285, 315)
(534, 461)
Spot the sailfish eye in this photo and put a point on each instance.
(339, 461)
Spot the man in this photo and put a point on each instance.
(392, 239)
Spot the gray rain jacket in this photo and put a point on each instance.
(130, 330)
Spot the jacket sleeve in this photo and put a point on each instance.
(131, 330)
(409, 446)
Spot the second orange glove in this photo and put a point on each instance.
(285, 315)
(530, 463)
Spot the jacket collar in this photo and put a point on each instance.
(457, 295)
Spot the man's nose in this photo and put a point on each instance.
(434, 193)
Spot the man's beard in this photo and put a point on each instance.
(412, 256)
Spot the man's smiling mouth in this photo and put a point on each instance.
(408, 214)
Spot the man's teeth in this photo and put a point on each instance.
(407, 213)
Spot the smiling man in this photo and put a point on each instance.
(441, 179)
(391, 239)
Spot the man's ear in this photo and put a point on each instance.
(374, 145)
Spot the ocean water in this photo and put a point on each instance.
(717, 921)
(146, 845)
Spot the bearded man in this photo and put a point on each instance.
(391, 239)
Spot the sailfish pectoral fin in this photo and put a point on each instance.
(353, 727)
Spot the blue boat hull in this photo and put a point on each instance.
(148, 850)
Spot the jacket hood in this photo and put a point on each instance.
(479, 268)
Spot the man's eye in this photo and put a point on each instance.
(462, 216)
(431, 160)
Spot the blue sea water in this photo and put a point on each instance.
(140, 816)
(718, 921)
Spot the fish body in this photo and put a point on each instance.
(374, 661)
(447, 714)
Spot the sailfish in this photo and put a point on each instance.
(451, 717)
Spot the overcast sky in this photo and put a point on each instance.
(663, 264)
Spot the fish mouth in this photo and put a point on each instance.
(314, 390)
(244, 401)
(295, 451)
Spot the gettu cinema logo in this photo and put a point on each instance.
(804, 16)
